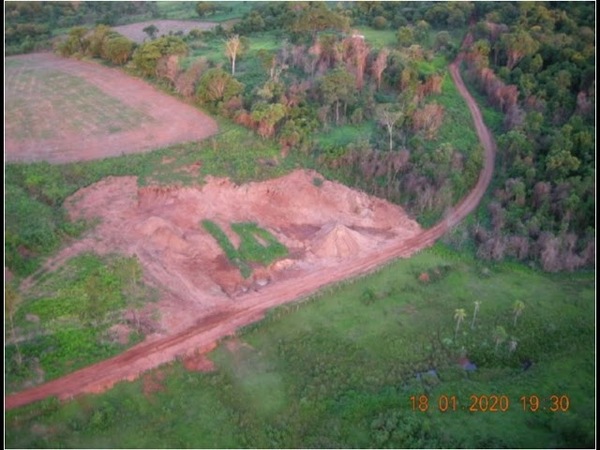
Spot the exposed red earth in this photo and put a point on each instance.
(333, 233)
(170, 121)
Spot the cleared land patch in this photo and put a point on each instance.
(163, 227)
(135, 31)
(52, 117)
(61, 110)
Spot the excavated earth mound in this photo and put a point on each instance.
(320, 225)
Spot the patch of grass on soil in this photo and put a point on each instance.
(339, 371)
(232, 254)
(63, 321)
(256, 245)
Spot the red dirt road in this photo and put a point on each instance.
(172, 121)
(130, 364)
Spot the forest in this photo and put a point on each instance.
(362, 91)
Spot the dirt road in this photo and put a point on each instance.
(130, 364)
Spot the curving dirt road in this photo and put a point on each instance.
(147, 355)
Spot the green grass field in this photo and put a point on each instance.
(78, 106)
(340, 371)
(63, 321)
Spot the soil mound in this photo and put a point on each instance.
(339, 241)
(321, 224)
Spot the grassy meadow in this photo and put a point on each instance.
(340, 369)
(64, 320)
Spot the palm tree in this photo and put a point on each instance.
(475, 311)
(518, 308)
(499, 336)
(459, 316)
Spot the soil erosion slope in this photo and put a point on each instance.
(339, 241)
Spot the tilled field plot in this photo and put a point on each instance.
(63, 110)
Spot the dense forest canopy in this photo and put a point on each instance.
(297, 72)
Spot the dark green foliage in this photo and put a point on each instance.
(541, 207)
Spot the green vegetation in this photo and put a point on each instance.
(536, 67)
(64, 321)
(232, 254)
(340, 371)
(256, 245)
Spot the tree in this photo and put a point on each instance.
(118, 49)
(356, 52)
(216, 85)
(388, 117)
(405, 36)
(147, 55)
(205, 8)
(98, 41)
(499, 336)
(518, 308)
(185, 82)
(517, 46)
(11, 301)
(76, 42)
(232, 49)
(338, 87)
(312, 17)
(151, 31)
(459, 316)
(477, 304)
(428, 119)
(267, 115)
(379, 65)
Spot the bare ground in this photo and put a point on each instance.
(135, 31)
(172, 121)
(337, 233)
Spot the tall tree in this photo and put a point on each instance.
(388, 117)
(356, 53)
(337, 87)
(232, 49)
(459, 316)
(379, 65)
(518, 45)
(477, 304)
